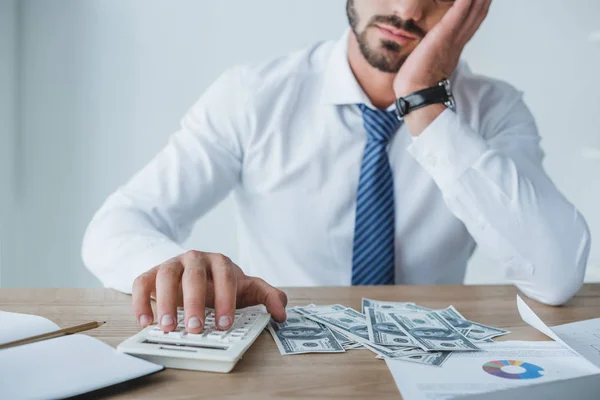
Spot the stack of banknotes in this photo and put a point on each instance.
(402, 331)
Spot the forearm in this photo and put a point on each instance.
(509, 205)
(121, 243)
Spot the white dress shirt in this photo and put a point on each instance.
(287, 137)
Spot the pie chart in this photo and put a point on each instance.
(513, 369)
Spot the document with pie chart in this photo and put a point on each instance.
(501, 365)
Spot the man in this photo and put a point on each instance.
(333, 189)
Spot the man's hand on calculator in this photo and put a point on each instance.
(197, 280)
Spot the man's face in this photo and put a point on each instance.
(389, 30)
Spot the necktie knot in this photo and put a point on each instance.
(379, 124)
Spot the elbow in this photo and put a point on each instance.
(567, 273)
(554, 288)
(560, 274)
(558, 294)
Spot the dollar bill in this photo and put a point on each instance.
(379, 350)
(382, 330)
(353, 325)
(389, 305)
(348, 322)
(313, 309)
(475, 331)
(382, 305)
(342, 338)
(432, 332)
(354, 346)
(434, 359)
(299, 335)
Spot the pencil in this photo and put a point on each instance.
(51, 335)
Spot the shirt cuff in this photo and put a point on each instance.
(447, 148)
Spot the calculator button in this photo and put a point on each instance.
(194, 336)
(213, 336)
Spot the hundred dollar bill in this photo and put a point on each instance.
(464, 331)
(378, 304)
(379, 350)
(354, 346)
(383, 330)
(388, 306)
(349, 322)
(341, 338)
(299, 335)
(313, 309)
(476, 331)
(435, 359)
(353, 325)
(432, 332)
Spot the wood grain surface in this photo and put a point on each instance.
(263, 372)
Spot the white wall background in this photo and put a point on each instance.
(8, 97)
(104, 82)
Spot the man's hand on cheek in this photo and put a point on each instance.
(437, 56)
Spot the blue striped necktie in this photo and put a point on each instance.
(373, 254)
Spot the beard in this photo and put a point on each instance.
(385, 57)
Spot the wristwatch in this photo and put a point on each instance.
(440, 94)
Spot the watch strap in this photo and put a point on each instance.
(433, 95)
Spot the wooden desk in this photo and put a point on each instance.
(263, 372)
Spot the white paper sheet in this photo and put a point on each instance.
(464, 373)
(64, 367)
(582, 337)
(14, 326)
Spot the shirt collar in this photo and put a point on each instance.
(340, 86)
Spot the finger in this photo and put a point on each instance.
(194, 282)
(225, 289)
(142, 289)
(168, 278)
(453, 20)
(258, 291)
(478, 14)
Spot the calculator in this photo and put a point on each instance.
(212, 350)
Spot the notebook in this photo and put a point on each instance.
(60, 367)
